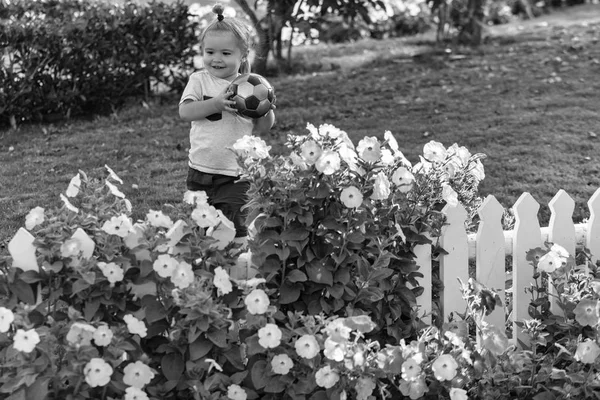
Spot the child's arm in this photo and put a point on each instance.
(263, 124)
(194, 110)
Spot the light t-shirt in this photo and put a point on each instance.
(211, 138)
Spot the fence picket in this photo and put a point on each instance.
(490, 261)
(455, 264)
(562, 232)
(593, 226)
(526, 236)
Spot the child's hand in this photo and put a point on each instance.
(224, 102)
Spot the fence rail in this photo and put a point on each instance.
(491, 245)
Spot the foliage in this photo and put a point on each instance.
(71, 57)
(337, 225)
(167, 308)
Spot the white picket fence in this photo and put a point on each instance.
(490, 246)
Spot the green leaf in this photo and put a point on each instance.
(23, 291)
(381, 274)
(296, 275)
(38, 389)
(253, 346)
(90, 308)
(200, 348)
(79, 285)
(89, 277)
(319, 274)
(259, 374)
(295, 233)
(370, 295)
(155, 311)
(276, 384)
(238, 377)
(30, 277)
(355, 237)
(289, 293)
(172, 366)
(218, 337)
(320, 395)
(382, 261)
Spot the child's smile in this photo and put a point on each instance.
(222, 55)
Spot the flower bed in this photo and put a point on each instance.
(321, 305)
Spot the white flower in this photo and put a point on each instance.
(68, 204)
(34, 218)
(549, 262)
(391, 141)
(335, 351)
(71, 248)
(461, 153)
(80, 334)
(281, 364)
(223, 231)
(137, 374)
(381, 187)
(235, 392)
(327, 377)
(6, 319)
(103, 335)
(114, 190)
(252, 147)
(165, 265)
(298, 161)
(158, 219)
(337, 330)
(349, 156)
(449, 195)
(74, 185)
(97, 372)
(477, 171)
(133, 393)
(458, 394)
(195, 197)
(434, 151)
(559, 250)
(587, 352)
(387, 158)
(26, 341)
(213, 364)
(269, 336)
(120, 226)
(369, 149)
(135, 326)
(364, 388)
(328, 130)
(328, 163)
(307, 346)
(113, 272)
(112, 175)
(410, 369)
(314, 132)
(257, 302)
(221, 281)
(310, 151)
(444, 367)
(205, 215)
(403, 179)
(351, 197)
(183, 275)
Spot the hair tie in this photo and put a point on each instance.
(220, 17)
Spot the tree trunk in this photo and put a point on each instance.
(264, 38)
(474, 27)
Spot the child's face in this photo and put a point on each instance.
(222, 54)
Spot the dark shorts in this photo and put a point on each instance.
(225, 194)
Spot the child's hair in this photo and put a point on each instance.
(239, 28)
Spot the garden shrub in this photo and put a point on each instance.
(167, 307)
(71, 57)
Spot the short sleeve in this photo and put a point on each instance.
(193, 89)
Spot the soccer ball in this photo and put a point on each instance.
(253, 95)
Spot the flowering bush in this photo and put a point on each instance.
(336, 225)
(94, 305)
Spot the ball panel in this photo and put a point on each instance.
(252, 102)
(254, 79)
(245, 89)
(261, 91)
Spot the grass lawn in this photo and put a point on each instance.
(528, 98)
